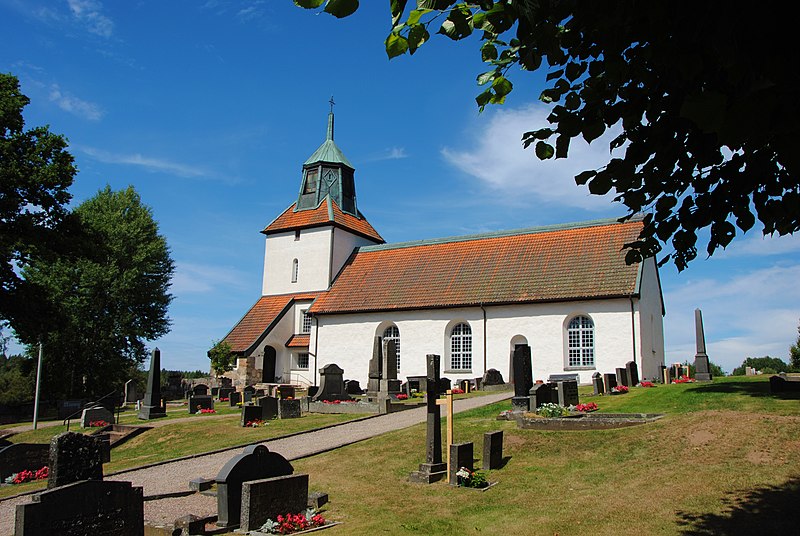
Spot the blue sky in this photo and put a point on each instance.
(210, 108)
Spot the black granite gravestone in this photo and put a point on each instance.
(460, 456)
(632, 372)
(76, 457)
(289, 408)
(331, 384)
(83, 508)
(268, 498)
(492, 377)
(609, 382)
(433, 469)
(568, 394)
(152, 406)
(234, 398)
(198, 402)
(541, 393)
(200, 389)
(597, 384)
(622, 377)
(492, 450)
(375, 368)
(269, 404)
(352, 387)
(254, 463)
(702, 367)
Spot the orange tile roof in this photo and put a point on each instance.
(327, 213)
(565, 262)
(259, 320)
(298, 341)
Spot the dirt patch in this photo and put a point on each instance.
(759, 457)
(512, 441)
(700, 438)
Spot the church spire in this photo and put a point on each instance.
(328, 173)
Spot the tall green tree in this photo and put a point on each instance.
(35, 174)
(107, 301)
(794, 353)
(221, 356)
(705, 105)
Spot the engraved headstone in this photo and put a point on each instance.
(492, 377)
(460, 456)
(622, 377)
(268, 498)
(609, 382)
(632, 371)
(76, 457)
(375, 368)
(523, 377)
(198, 402)
(331, 384)
(597, 384)
(96, 414)
(568, 394)
(492, 450)
(433, 469)
(269, 405)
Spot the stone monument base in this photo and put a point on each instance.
(429, 473)
(520, 403)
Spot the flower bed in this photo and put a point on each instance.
(587, 408)
(255, 423)
(619, 389)
(337, 401)
(683, 379)
(647, 384)
(206, 410)
(97, 424)
(402, 396)
(28, 476)
(291, 523)
(457, 391)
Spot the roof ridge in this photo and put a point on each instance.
(501, 234)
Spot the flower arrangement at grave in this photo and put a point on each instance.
(683, 379)
(457, 391)
(417, 394)
(551, 410)
(291, 523)
(587, 407)
(471, 479)
(335, 401)
(255, 423)
(97, 424)
(619, 389)
(205, 410)
(28, 476)
(226, 399)
(402, 396)
(647, 384)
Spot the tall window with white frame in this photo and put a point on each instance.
(580, 342)
(302, 361)
(393, 334)
(461, 347)
(295, 270)
(306, 325)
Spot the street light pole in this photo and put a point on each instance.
(38, 384)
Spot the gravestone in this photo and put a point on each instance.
(352, 387)
(215, 392)
(269, 405)
(622, 377)
(256, 462)
(200, 389)
(285, 391)
(234, 397)
(267, 498)
(251, 413)
(609, 382)
(289, 408)
(416, 383)
(375, 368)
(248, 394)
(389, 384)
(311, 391)
(331, 384)
(444, 385)
(782, 383)
(131, 394)
(492, 377)
(523, 377)
(597, 384)
(465, 385)
(76, 457)
(96, 414)
(433, 469)
(492, 450)
(82, 508)
(568, 394)
(460, 456)
(632, 372)
(702, 368)
(664, 374)
(225, 392)
(198, 402)
(541, 393)
(152, 406)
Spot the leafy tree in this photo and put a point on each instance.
(221, 356)
(794, 353)
(35, 173)
(702, 102)
(766, 364)
(107, 301)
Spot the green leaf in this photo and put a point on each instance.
(562, 146)
(396, 45)
(308, 4)
(484, 98)
(544, 150)
(488, 76)
(502, 86)
(554, 74)
(600, 185)
(583, 177)
(415, 16)
(341, 8)
(417, 35)
(592, 131)
(488, 52)
(397, 7)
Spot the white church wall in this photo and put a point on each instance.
(343, 245)
(277, 338)
(652, 325)
(347, 339)
(312, 252)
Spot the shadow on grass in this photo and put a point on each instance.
(765, 510)
(757, 389)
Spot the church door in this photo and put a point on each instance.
(268, 370)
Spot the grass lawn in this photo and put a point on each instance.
(725, 460)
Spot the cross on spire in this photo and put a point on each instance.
(331, 103)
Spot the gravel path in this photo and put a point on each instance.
(175, 476)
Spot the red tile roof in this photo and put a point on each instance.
(327, 213)
(565, 262)
(259, 320)
(298, 341)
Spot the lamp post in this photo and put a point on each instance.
(38, 385)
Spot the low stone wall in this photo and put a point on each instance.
(589, 421)
(355, 407)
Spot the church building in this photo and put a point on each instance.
(331, 285)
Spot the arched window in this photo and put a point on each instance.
(393, 334)
(580, 342)
(461, 347)
(295, 270)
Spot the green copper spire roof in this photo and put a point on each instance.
(329, 151)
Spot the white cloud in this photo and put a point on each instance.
(89, 12)
(74, 105)
(745, 315)
(151, 164)
(203, 278)
(498, 160)
(755, 244)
